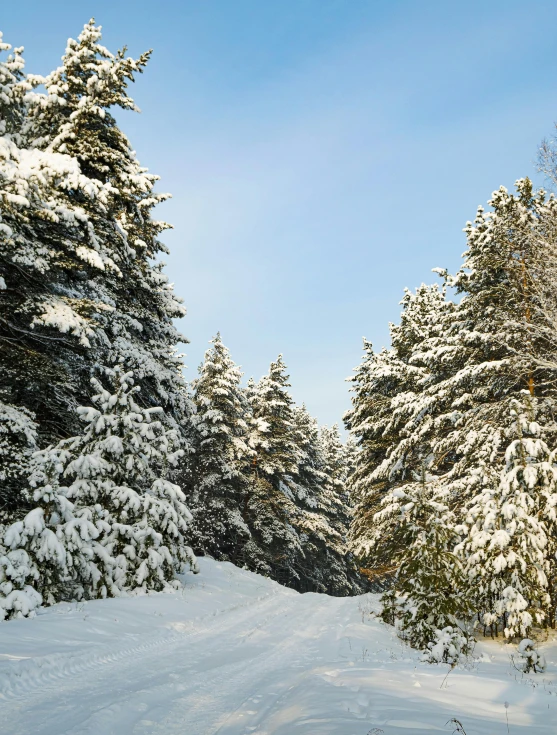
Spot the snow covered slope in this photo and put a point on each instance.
(236, 654)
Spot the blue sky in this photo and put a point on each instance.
(322, 154)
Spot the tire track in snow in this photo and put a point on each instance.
(180, 687)
(29, 676)
(213, 705)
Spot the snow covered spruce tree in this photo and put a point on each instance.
(218, 492)
(386, 388)
(49, 554)
(120, 466)
(507, 548)
(270, 506)
(492, 340)
(41, 233)
(495, 345)
(273, 424)
(427, 599)
(350, 453)
(319, 514)
(83, 285)
(296, 504)
(334, 506)
(337, 461)
(116, 524)
(12, 91)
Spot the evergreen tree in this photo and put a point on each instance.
(18, 439)
(117, 524)
(510, 523)
(391, 391)
(120, 464)
(18, 431)
(491, 342)
(273, 437)
(321, 565)
(351, 453)
(441, 394)
(428, 593)
(49, 553)
(41, 233)
(83, 287)
(12, 90)
(297, 498)
(219, 494)
(530, 658)
(74, 116)
(337, 469)
(270, 509)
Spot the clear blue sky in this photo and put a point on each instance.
(322, 154)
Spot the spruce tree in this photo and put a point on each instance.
(74, 116)
(18, 441)
(218, 493)
(321, 565)
(351, 453)
(510, 523)
(41, 234)
(270, 509)
(428, 593)
(121, 464)
(107, 519)
(49, 554)
(12, 89)
(391, 389)
(462, 364)
(272, 409)
(337, 459)
(84, 289)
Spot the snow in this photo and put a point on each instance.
(60, 314)
(234, 653)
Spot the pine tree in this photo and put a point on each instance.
(219, 495)
(272, 408)
(337, 508)
(120, 463)
(428, 594)
(530, 658)
(40, 234)
(441, 394)
(485, 340)
(297, 499)
(351, 453)
(115, 480)
(494, 349)
(270, 509)
(74, 116)
(106, 520)
(12, 90)
(83, 287)
(510, 524)
(321, 566)
(391, 391)
(49, 554)
(336, 467)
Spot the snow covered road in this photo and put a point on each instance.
(237, 654)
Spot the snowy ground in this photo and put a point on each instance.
(236, 654)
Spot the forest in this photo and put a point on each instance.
(117, 473)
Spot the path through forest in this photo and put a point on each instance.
(236, 654)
